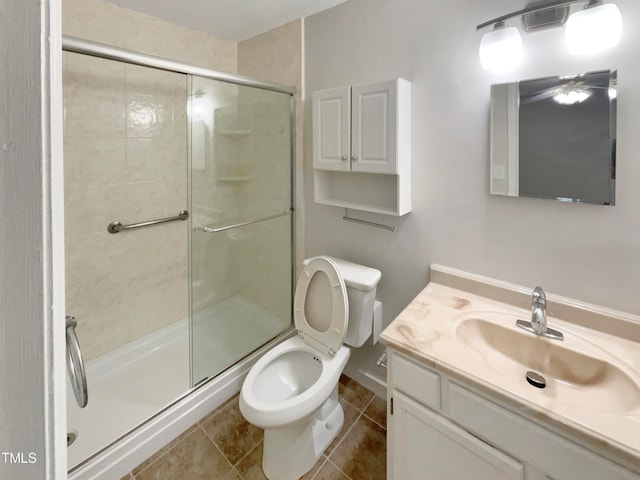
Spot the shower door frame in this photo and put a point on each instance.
(100, 50)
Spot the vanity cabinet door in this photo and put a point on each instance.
(425, 445)
(332, 129)
(557, 457)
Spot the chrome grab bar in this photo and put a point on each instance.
(75, 365)
(287, 211)
(115, 227)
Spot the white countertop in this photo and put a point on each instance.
(609, 419)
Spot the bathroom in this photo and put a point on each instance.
(580, 251)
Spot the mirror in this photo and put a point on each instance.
(555, 138)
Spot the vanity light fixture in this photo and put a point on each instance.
(501, 49)
(595, 28)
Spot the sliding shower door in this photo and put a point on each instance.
(125, 160)
(196, 274)
(241, 236)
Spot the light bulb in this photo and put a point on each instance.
(593, 29)
(501, 49)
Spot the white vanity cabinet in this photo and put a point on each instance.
(362, 146)
(441, 429)
(425, 444)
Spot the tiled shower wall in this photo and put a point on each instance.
(125, 159)
(101, 21)
(277, 56)
(245, 176)
(266, 277)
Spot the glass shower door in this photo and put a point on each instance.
(125, 160)
(241, 240)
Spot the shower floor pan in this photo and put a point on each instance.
(132, 383)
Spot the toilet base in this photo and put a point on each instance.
(291, 451)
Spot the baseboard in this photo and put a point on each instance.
(366, 378)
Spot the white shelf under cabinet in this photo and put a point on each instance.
(362, 147)
(369, 192)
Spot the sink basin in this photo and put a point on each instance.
(578, 373)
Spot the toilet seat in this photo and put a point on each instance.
(320, 306)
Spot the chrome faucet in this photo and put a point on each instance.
(538, 323)
(539, 311)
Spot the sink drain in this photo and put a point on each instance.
(535, 379)
(71, 437)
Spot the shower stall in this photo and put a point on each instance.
(178, 233)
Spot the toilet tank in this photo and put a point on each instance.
(361, 283)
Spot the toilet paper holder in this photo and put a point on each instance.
(382, 361)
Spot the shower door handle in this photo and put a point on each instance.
(75, 364)
(287, 211)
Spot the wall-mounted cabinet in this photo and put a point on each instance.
(362, 147)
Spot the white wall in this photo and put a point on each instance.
(32, 414)
(587, 252)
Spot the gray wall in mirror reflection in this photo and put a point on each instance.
(545, 149)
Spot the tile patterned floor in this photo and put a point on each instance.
(223, 446)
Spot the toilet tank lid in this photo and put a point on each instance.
(355, 275)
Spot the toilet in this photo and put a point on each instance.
(292, 391)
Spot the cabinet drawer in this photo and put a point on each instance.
(560, 459)
(416, 381)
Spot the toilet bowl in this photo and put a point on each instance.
(290, 383)
(292, 391)
(293, 395)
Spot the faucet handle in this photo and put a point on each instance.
(538, 297)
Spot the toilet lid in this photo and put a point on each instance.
(320, 306)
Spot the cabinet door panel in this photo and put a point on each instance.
(557, 457)
(374, 128)
(331, 129)
(425, 445)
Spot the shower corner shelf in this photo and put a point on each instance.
(233, 133)
(236, 178)
(231, 172)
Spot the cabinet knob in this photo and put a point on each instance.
(354, 157)
(343, 158)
